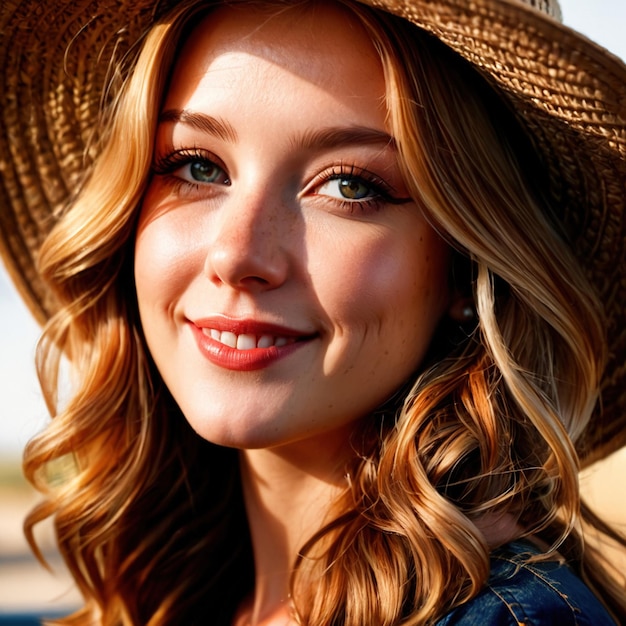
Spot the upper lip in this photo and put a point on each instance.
(250, 327)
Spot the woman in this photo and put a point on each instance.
(335, 354)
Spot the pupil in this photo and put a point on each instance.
(203, 172)
(353, 189)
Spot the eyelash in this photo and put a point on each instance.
(174, 160)
(382, 192)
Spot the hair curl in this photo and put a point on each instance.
(151, 529)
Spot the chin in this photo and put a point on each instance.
(237, 433)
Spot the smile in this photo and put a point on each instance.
(247, 341)
(246, 345)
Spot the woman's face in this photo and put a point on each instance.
(286, 284)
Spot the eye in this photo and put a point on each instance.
(191, 166)
(203, 171)
(347, 188)
(351, 187)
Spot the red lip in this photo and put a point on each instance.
(251, 359)
(244, 326)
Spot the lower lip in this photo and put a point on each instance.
(241, 360)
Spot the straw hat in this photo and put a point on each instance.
(55, 58)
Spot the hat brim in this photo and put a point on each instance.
(569, 93)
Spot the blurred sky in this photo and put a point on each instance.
(21, 410)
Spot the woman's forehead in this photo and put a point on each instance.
(321, 49)
(324, 31)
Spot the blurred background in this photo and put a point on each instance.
(24, 584)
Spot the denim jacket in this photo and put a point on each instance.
(536, 594)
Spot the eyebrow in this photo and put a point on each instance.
(341, 136)
(200, 121)
(320, 138)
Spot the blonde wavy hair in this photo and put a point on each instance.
(150, 518)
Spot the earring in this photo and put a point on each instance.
(468, 313)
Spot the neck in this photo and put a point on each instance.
(288, 493)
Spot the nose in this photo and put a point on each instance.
(249, 246)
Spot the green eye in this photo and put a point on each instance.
(205, 172)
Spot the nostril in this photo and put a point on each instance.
(255, 266)
(250, 240)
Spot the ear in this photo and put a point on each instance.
(462, 309)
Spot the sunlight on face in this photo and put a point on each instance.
(287, 285)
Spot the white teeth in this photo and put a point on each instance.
(246, 341)
(228, 339)
(265, 341)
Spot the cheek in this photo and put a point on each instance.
(384, 278)
(168, 254)
(159, 255)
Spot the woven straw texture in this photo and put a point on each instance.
(56, 57)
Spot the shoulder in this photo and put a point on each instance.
(532, 594)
